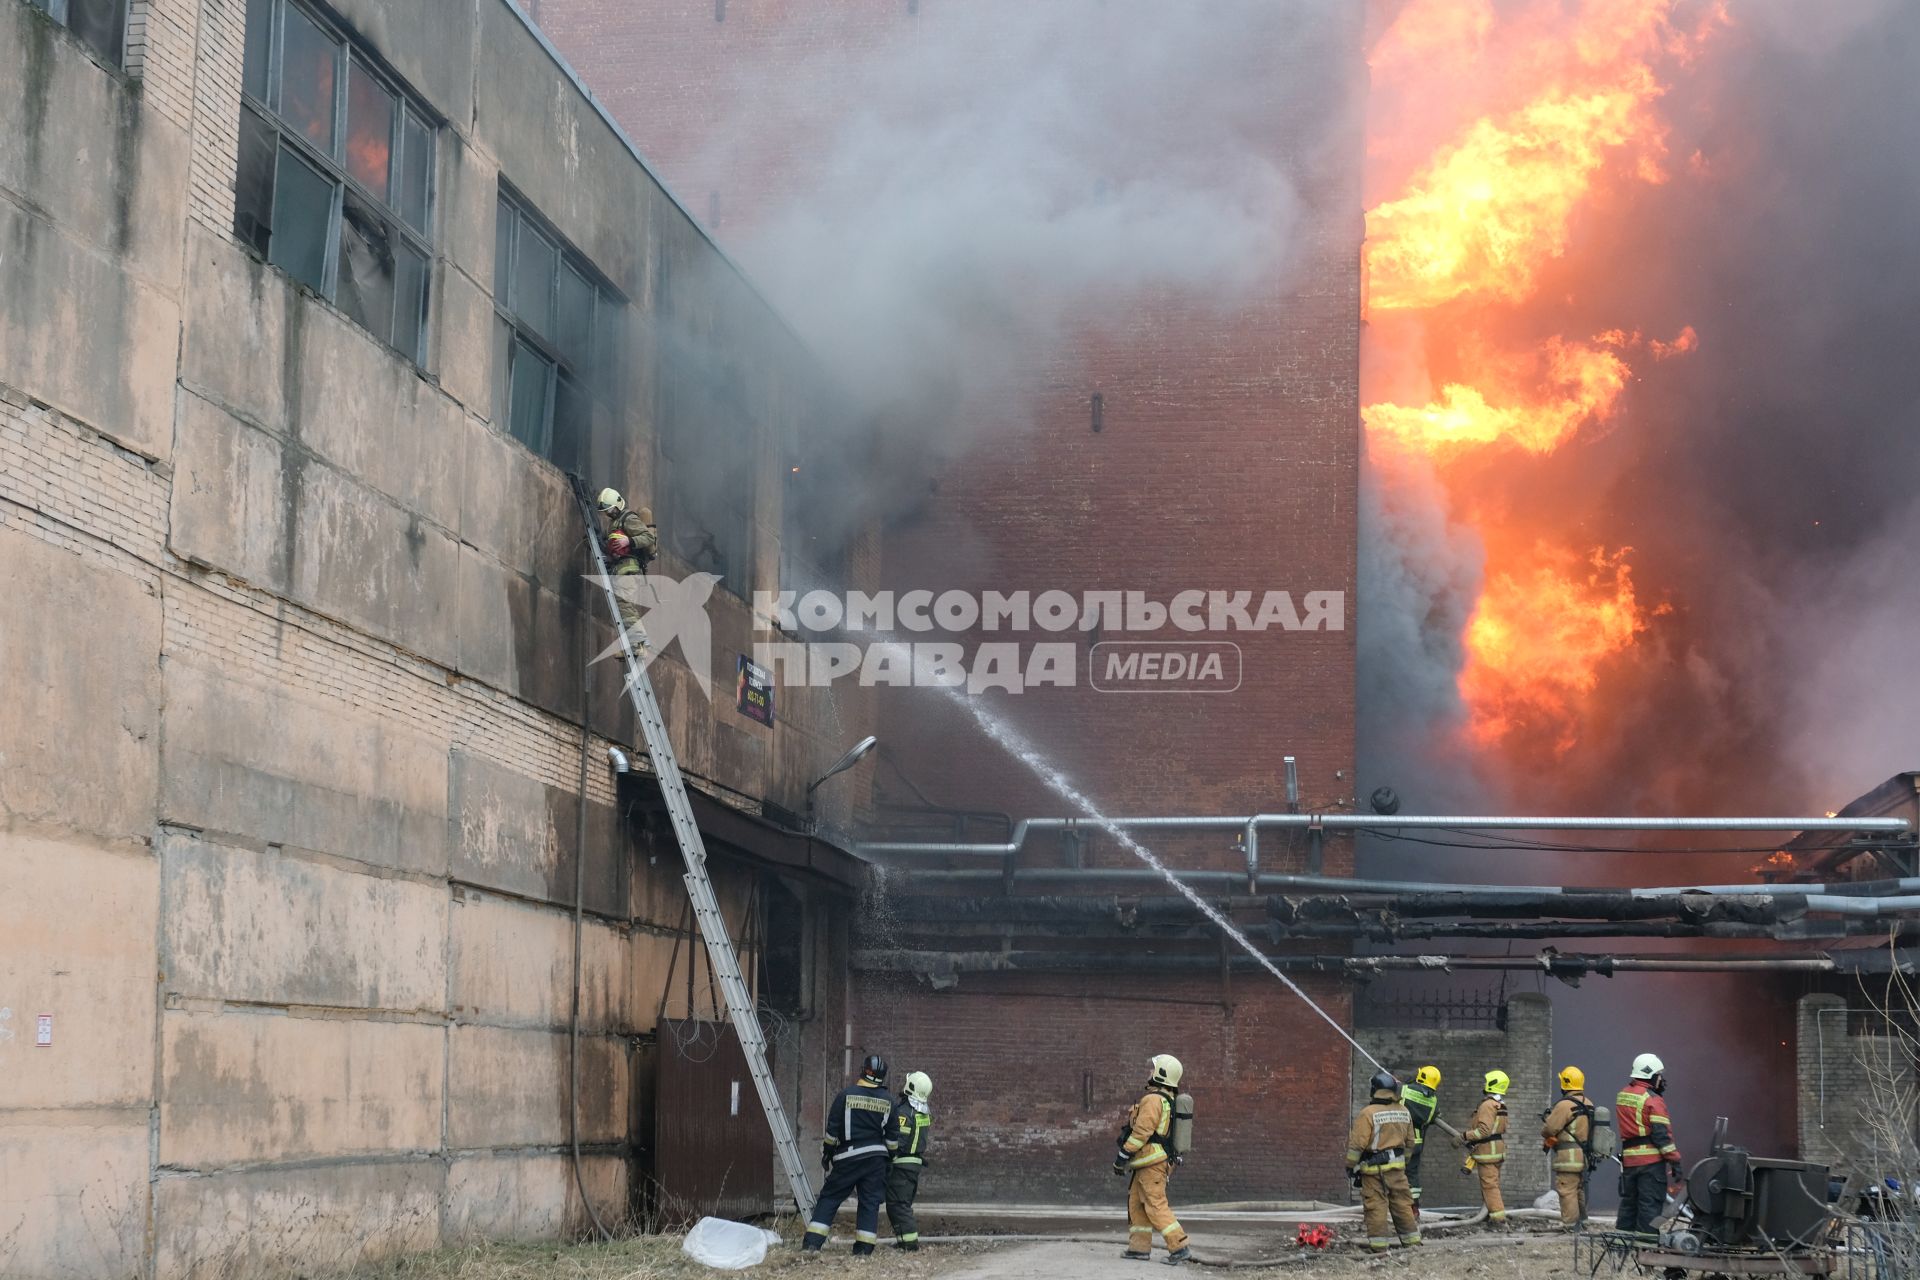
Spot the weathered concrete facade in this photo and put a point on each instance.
(290, 811)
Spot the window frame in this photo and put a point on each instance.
(580, 369)
(60, 12)
(283, 133)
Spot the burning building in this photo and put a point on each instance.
(308, 813)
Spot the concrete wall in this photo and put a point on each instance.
(1857, 1091)
(292, 637)
(1524, 1051)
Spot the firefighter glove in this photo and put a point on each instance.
(1120, 1163)
(826, 1160)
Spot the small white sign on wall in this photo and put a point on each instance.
(43, 1031)
(736, 1098)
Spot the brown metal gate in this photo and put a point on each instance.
(713, 1152)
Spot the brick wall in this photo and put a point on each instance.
(1524, 1050)
(1033, 1074)
(1853, 1086)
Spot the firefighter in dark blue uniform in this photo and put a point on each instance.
(855, 1157)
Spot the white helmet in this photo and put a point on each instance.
(919, 1086)
(611, 503)
(1647, 1066)
(1166, 1070)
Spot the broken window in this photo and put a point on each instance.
(100, 24)
(707, 441)
(335, 174)
(555, 324)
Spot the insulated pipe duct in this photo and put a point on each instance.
(1249, 828)
(1372, 822)
(1226, 882)
(1559, 964)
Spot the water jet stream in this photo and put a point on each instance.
(1020, 749)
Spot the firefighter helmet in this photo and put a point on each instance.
(874, 1068)
(1427, 1077)
(919, 1086)
(1166, 1071)
(611, 503)
(1647, 1066)
(1384, 1082)
(1572, 1079)
(1498, 1083)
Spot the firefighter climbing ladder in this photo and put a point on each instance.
(693, 853)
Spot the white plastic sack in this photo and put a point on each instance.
(1547, 1201)
(728, 1246)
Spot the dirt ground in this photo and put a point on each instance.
(1474, 1255)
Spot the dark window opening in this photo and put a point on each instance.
(100, 24)
(555, 329)
(707, 442)
(786, 969)
(335, 175)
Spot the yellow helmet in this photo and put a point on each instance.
(1166, 1070)
(1428, 1077)
(1572, 1079)
(610, 502)
(1498, 1084)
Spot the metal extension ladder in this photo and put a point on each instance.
(693, 852)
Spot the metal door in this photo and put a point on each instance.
(713, 1152)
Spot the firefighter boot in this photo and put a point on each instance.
(1183, 1254)
(1137, 1255)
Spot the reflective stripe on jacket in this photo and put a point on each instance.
(1423, 1104)
(857, 1122)
(1147, 1126)
(907, 1133)
(1567, 1127)
(1646, 1131)
(1487, 1138)
(1381, 1138)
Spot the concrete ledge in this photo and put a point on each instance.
(256, 1086)
(530, 1197)
(60, 680)
(78, 945)
(512, 964)
(73, 1194)
(511, 1088)
(273, 929)
(317, 1219)
(290, 770)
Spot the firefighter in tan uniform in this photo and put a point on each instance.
(1567, 1132)
(631, 543)
(1144, 1154)
(1486, 1140)
(1377, 1150)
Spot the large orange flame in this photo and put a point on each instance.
(1538, 640)
(1554, 103)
